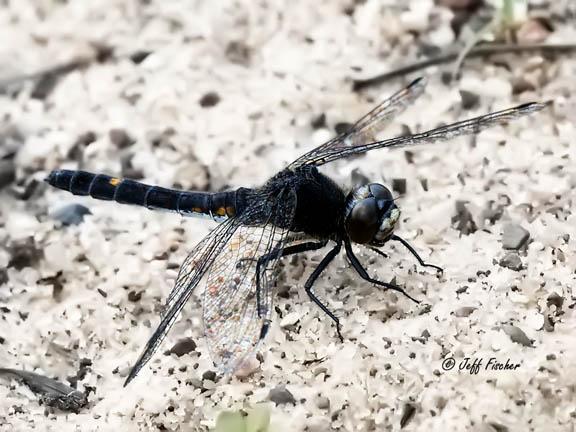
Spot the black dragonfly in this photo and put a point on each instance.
(297, 210)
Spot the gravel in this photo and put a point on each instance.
(196, 88)
(511, 261)
(514, 236)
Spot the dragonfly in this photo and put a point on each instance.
(297, 210)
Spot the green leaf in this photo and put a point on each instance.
(230, 421)
(258, 418)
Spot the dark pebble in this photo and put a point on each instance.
(549, 324)
(128, 170)
(511, 261)
(407, 414)
(120, 138)
(498, 427)
(516, 335)
(3, 276)
(556, 300)
(239, 53)
(71, 214)
(342, 127)
(134, 296)
(209, 100)
(76, 152)
(183, 346)
(139, 56)
(319, 121)
(469, 100)
(514, 236)
(463, 220)
(44, 86)
(209, 375)
(7, 172)
(399, 185)
(24, 253)
(464, 311)
(280, 395)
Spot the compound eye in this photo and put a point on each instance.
(382, 195)
(363, 221)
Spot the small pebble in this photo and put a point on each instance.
(517, 335)
(514, 236)
(556, 300)
(239, 53)
(399, 185)
(24, 253)
(7, 172)
(120, 138)
(134, 296)
(511, 261)
(319, 121)
(463, 219)
(342, 127)
(139, 56)
(209, 375)
(464, 311)
(407, 415)
(183, 346)
(209, 100)
(70, 214)
(548, 324)
(323, 403)
(281, 396)
(468, 99)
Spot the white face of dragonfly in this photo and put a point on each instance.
(371, 214)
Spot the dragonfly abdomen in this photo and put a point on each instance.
(218, 205)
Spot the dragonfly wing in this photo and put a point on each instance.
(367, 127)
(465, 127)
(239, 289)
(194, 267)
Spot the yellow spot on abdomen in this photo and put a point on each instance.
(221, 211)
(114, 181)
(197, 210)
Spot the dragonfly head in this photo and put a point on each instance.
(371, 214)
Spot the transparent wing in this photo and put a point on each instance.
(239, 289)
(465, 127)
(366, 128)
(194, 267)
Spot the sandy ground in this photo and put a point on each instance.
(229, 94)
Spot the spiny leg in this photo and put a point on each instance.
(315, 274)
(413, 252)
(378, 251)
(289, 250)
(364, 274)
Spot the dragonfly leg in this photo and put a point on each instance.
(364, 274)
(413, 252)
(378, 251)
(289, 250)
(315, 274)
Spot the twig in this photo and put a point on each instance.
(478, 51)
(60, 69)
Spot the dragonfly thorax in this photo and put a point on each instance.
(371, 214)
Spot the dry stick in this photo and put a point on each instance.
(479, 51)
(101, 54)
